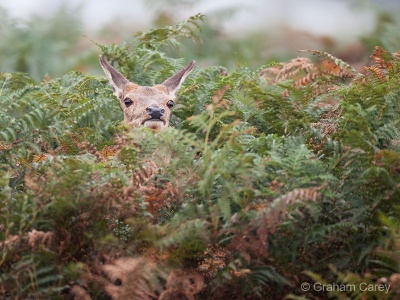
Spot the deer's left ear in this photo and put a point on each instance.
(116, 79)
(174, 83)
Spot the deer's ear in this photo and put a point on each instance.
(116, 79)
(174, 83)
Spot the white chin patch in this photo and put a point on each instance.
(154, 124)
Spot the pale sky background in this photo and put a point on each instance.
(281, 26)
(341, 19)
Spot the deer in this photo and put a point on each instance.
(148, 106)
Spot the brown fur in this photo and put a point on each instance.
(144, 97)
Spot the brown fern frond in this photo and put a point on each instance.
(132, 278)
(302, 71)
(394, 280)
(219, 94)
(330, 118)
(90, 148)
(305, 194)
(294, 67)
(345, 69)
(325, 126)
(39, 158)
(382, 57)
(382, 63)
(145, 173)
(108, 151)
(85, 146)
(33, 239)
(75, 139)
(215, 258)
(182, 285)
(249, 243)
(10, 241)
(158, 197)
(252, 239)
(327, 66)
(176, 295)
(380, 72)
(309, 78)
(79, 293)
(271, 73)
(63, 149)
(4, 147)
(37, 238)
(9, 146)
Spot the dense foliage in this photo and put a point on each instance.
(268, 179)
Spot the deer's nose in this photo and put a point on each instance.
(155, 112)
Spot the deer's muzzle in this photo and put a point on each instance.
(155, 112)
(156, 118)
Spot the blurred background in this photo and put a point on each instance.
(46, 38)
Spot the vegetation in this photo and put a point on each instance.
(268, 179)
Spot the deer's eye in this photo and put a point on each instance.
(128, 102)
(170, 104)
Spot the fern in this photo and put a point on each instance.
(270, 178)
(159, 37)
(344, 67)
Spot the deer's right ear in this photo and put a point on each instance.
(116, 79)
(174, 82)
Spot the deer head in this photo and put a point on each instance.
(148, 106)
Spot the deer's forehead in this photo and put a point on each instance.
(146, 92)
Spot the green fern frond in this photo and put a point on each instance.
(168, 35)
